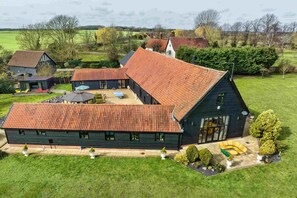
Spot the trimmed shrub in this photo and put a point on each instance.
(266, 126)
(181, 158)
(192, 153)
(267, 148)
(197, 164)
(205, 156)
(219, 168)
(247, 60)
(280, 146)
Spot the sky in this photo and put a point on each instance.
(170, 14)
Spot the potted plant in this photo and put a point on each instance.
(259, 157)
(163, 153)
(25, 150)
(230, 161)
(92, 153)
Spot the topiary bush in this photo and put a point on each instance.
(181, 158)
(192, 153)
(267, 148)
(266, 126)
(205, 156)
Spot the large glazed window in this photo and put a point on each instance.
(213, 129)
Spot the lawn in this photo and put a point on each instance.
(291, 55)
(58, 176)
(6, 100)
(64, 87)
(92, 56)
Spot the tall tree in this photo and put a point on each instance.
(256, 32)
(32, 36)
(270, 25)
(158, 31)
(88, 39)
(225, 29)
(208, 18)
(246, 28)
(61, 31)
(235, 33)
(5, 56)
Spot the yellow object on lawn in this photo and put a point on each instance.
(26, 91)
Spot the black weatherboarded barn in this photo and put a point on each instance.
(184, 104)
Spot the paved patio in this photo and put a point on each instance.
(129, 96)
(240, 161)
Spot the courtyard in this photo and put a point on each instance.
(128, 98)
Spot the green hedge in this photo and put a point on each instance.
(247, 60)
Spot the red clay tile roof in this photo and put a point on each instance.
(25, 58)
(99, 74)
(88, 117)
(171, 81)
(162, 42)
(177, 42)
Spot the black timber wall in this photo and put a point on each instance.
(141, 93)
(96, 139)
(208, 108)
(95, 84)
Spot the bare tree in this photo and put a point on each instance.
(270, 25)
(246, 28)
(62, 29)
(31, 37)
(225, 29)
(158, 31)
(207, 18)
(88, 39)
(256, 32)
(235, 33)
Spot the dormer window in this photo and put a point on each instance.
(220, 99)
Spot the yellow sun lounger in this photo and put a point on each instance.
(233, 147)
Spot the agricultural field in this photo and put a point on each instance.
(8, 40)
(61, 176)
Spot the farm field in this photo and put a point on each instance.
(60, 176)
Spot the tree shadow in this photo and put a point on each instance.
(3, 155)
(285, 133)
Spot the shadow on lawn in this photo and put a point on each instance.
(3, 154)
(286, 132)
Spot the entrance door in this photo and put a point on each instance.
(213, 129)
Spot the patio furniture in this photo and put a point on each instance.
(118, 94)
(78, 97)
(233, 147)
(82, 87)
(26, 91)
(17, 91)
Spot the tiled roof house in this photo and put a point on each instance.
(184, 104)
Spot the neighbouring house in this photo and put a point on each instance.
(34, 83)
(157, 45)
(28, 62)
(126, 58)
(183, 104)
(174, 43)
(111, 78)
